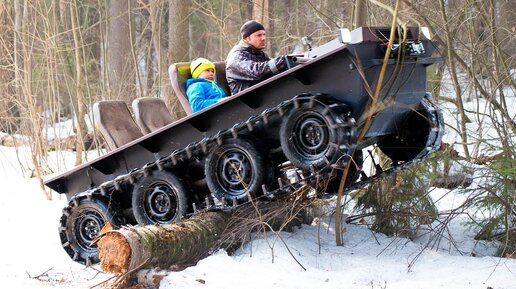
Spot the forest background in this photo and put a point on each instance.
(58, 57)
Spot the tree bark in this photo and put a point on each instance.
(456, 85)
(185, 243)
(9, 111)
(360, 14)
(178, 41)
(156, 14)
(121, 66)
(79, 83)
(261, 13)
(161, 246)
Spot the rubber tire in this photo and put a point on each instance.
(77, 246)
(261, 168)
(166, 184)
(291, 143)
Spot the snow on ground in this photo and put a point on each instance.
(32, 256)
(31, 247)
(30, 244)
(360, 263)
(480, 127)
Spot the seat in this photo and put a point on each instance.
(114, 121)
(151, 113)
(180, 72)
(220, 68)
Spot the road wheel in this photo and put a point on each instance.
(81, 224)
(310, 138)
(237, 168)
(159, 198)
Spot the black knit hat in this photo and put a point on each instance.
(250, 27)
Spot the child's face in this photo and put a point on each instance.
(208, 74)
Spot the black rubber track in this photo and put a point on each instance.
(411, 137)
(353, 173)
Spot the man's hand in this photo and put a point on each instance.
(294, 59)
(299, 59)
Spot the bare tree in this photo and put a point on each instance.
(453, 73)
(360, 14)
(79, 82)
(119, 52)
(178, 37)
(8, 106)
(261, 11)
(157, 12)
(24, 19)
(178, 31)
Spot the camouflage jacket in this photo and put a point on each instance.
(246, 66)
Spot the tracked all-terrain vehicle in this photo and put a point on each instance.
(310, 119)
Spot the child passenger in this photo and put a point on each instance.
(201, 89)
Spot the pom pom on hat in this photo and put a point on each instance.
(199, 65)
(250, 27)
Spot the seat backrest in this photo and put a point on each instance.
(114, 121)
(180, 72)
(151, 113)
(220, 68)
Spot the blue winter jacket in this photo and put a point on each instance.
(202, 93)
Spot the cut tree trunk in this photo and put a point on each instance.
(162, 246)
(178, 245)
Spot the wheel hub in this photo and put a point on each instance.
(89, 228)
(312, 138)
(236, 171)
(160, 203)
(312, 134)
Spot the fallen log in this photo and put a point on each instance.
(131, 248)
(182, 244)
